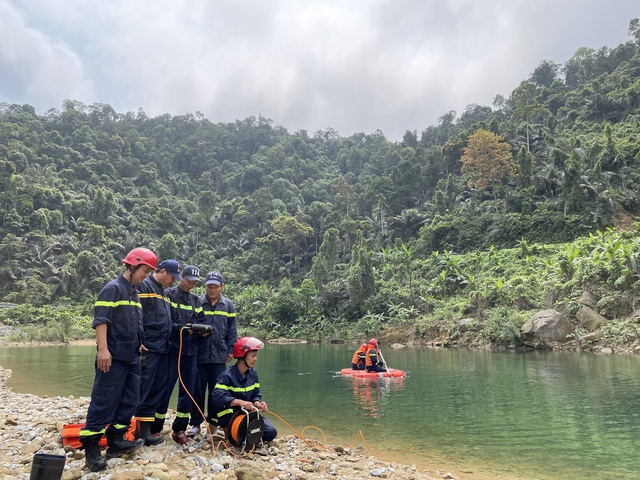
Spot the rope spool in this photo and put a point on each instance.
(246, 428)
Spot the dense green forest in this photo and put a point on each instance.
(491, 214)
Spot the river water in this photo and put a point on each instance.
(533, 415)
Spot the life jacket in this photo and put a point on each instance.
(70, 434)
(372, 357)
(359, 356)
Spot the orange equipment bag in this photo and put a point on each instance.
(71, 434)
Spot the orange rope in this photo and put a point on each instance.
(221, 443)
(215, 448)
(312, 443)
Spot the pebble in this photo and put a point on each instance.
(30, 424)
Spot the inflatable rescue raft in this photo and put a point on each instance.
(364, 374)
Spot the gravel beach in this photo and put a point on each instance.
(30, 424)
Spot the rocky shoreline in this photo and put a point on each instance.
(30, 424)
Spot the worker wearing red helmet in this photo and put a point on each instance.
(374, 363)
(117, 320)
(359, 360)
(238, 387)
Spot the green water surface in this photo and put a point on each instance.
(537, 415)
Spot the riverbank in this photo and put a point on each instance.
(31, 424)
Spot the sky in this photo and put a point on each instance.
(347, 65)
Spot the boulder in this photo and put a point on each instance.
(590, 319)
(587, 300)
(591, 337)
(546, 329)
(469, 324)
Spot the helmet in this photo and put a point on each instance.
(246, 344)
(141, 256)
(364, 345)
(373, 342)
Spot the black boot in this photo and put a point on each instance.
(143, 431)
(157, 425)
(118, 445)
(94, 459)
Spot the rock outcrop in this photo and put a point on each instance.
(546, 329)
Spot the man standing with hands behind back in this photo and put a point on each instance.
(215, 350)
(117, 319)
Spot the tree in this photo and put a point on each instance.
(634, 30)
(290, 231)
(526, 108)
(487, 161)
(361, 277)
(327, 258)
(7, 189)
(167, 247)
(545, 73)
(525, 165)
(579, 68)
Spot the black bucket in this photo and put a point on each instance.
(47, 467)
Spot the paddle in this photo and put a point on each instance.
(385, 362)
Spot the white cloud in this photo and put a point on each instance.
(353, 66)
(36, 68)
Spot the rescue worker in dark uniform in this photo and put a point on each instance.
(117, 319)
(374, 363)
(185, 311)
(156, 316)
(359, 360)
(215, 350)
(238, 387)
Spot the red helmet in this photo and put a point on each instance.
(246, 344)
(141, 256)
(364, 345)
(373, 342)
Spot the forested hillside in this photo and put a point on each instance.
(323, 236)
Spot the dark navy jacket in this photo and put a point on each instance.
(119, 307)
(185, 308)
(156, 315)
(222, 315)
(231, 385)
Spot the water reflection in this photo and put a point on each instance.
(544, 415)
(371, 394)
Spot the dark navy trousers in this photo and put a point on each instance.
(188, 374)
(152, 385)
(114, 398)
(207, 378)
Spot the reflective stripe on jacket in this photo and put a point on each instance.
(372, 357)
(360, 356)
(156, 315)
(185, 308)
(231, 385)
(118, 306)
(222, 316)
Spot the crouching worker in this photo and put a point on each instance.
(238, 387)
(117, 320)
